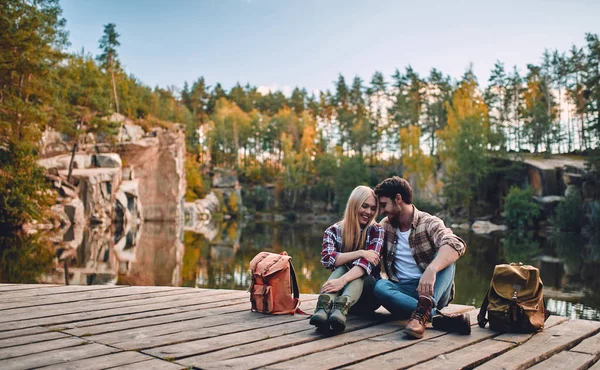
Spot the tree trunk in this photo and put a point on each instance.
(71, 161)
(112, 76)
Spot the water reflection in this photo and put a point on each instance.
(24, 258)
(567, 263)
(217, 255)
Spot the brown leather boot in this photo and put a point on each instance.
(458, 323)
(415, 327)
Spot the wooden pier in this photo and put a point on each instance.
(127, 327)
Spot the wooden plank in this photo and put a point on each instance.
(124, 300)
(211, 308)
(544, 345)
(566, 359)
(517, 338)
(89, 309)
(99, 296)
(110, 360)
(21, 332)
(596, 366)
(72, 295)
(446, 347)
(39, 337)
(409, 352)
(245, 348)
(468, 357)
(35, 360)
(50, 290)
(10, 352)
(183, 320)
(56, 321)
(287, 346)
(153, 364)
(260, 328)
(347, 354)
(590, 345)
(4, 288)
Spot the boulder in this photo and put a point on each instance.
(224, 178)
(130, 132)
(486, 227)
(107, 160)
(96, 189)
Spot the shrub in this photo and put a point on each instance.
(520, 210)
(569, 215)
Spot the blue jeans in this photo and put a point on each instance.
(401, 298)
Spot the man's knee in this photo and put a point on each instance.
(381, 288)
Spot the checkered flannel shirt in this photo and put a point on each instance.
(332, 246)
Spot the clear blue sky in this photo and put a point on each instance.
(285, 43)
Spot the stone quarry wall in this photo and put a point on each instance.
(159, 166)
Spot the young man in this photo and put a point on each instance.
(418, 256)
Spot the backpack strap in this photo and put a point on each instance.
(295, 290)
(481, 320)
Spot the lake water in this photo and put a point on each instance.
(219, 256)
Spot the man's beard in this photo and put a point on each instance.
(394, 219)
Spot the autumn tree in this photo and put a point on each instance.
(463, 144)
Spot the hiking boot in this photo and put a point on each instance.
(337, 319)
(458, 323)
(319, 318)
(415, 327)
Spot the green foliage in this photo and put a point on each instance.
(520, 210)
(23, 258)
(32, 37)
(25, 196)
(569, 215)
(426, 206)
(352, 172)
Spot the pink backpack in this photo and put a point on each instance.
(274, 288)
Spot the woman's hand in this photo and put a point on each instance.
(333, 285)
(371, 256)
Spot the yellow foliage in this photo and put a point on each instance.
(414, 160)
(467, 107)
(195, 185)
(232, 204)
(309, 135)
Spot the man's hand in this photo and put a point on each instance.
(371, 256)
(333, 285)
(427, 282)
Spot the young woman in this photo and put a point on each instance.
(351, 248)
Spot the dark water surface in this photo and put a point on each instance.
(217, 255)
(569, 263)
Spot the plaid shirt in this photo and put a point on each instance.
(427, 235)
(332, 246)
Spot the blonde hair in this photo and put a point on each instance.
(353, 238)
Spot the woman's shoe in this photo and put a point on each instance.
(337, 318)
(319, 318)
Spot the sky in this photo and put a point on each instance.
(280, 44)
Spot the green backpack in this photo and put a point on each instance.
(515, 300)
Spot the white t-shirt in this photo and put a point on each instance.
(404, 263)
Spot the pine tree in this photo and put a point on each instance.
(32, 39)
(592, 83)
(108, 58)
